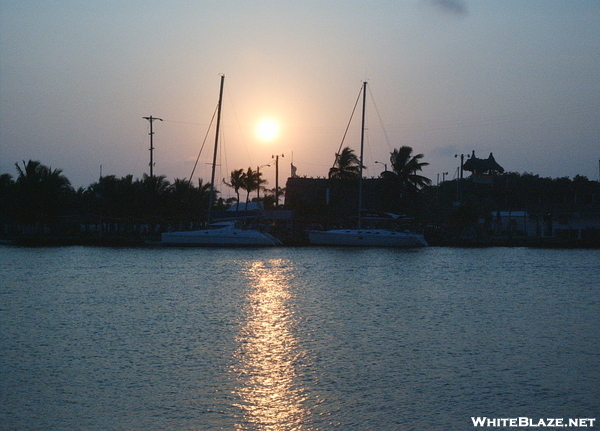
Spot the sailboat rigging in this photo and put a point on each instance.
(225, 233)
(359, 236)
(211, 199)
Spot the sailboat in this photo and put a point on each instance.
(365, 237)
(224, 233)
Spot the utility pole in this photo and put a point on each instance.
(258, 176)
(276, 179)
(151, 119)
(462, 162)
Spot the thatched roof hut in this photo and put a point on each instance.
(482, 166)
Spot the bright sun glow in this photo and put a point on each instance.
(267, 130)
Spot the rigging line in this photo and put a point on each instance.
(368, 148)
(347, 127)
(387, 139)
(222, 156)
(202, 147)
(237, 119)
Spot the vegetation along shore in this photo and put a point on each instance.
(483, 206)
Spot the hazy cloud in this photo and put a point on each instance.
(457, 7)
(447, 151)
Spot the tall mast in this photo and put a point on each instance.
(211, 199)
(362, 145)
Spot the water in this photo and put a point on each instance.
(296, 338)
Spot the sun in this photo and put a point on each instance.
(267, 129)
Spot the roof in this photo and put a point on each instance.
(482, 165)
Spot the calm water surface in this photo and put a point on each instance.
(296, 338)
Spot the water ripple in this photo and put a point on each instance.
(307, 338)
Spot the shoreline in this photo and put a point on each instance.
(153, 242)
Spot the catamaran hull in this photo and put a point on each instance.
(366, 238)
(211, 238)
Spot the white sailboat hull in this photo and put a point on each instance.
(221, 236)
(366, 238)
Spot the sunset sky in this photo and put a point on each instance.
(520, 79)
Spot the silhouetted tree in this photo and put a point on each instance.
(7, 197)
(401, 185)
(269, 197)
(106, 197)
(151, 191)
(251, 181)
(186, 202)
(41, 192)
(237, 182)
(259, 181)
(346, 166)
(404, 169)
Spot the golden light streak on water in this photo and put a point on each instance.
(272, 398)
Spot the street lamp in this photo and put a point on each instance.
(384, 166)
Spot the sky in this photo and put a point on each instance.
(517, 78)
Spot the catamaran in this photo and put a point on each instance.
(224, 233)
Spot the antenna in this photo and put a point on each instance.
(151, 119)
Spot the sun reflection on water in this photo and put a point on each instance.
(267, 369)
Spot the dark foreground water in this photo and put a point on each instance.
(296, 338)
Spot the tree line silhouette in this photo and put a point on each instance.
(40, 200)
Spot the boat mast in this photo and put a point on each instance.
(362, 145)
(211, 198)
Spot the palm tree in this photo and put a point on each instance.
(204, 191)
(150, 193)
(154, 185)
(35, 176)
(7, 196)
(184, 201)
(41, 190)
(402, 184)
(346, 167)
(237, 182)
(181, 196)
(251, 182)
(259, 180)
(404, 169)
(105, 197)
